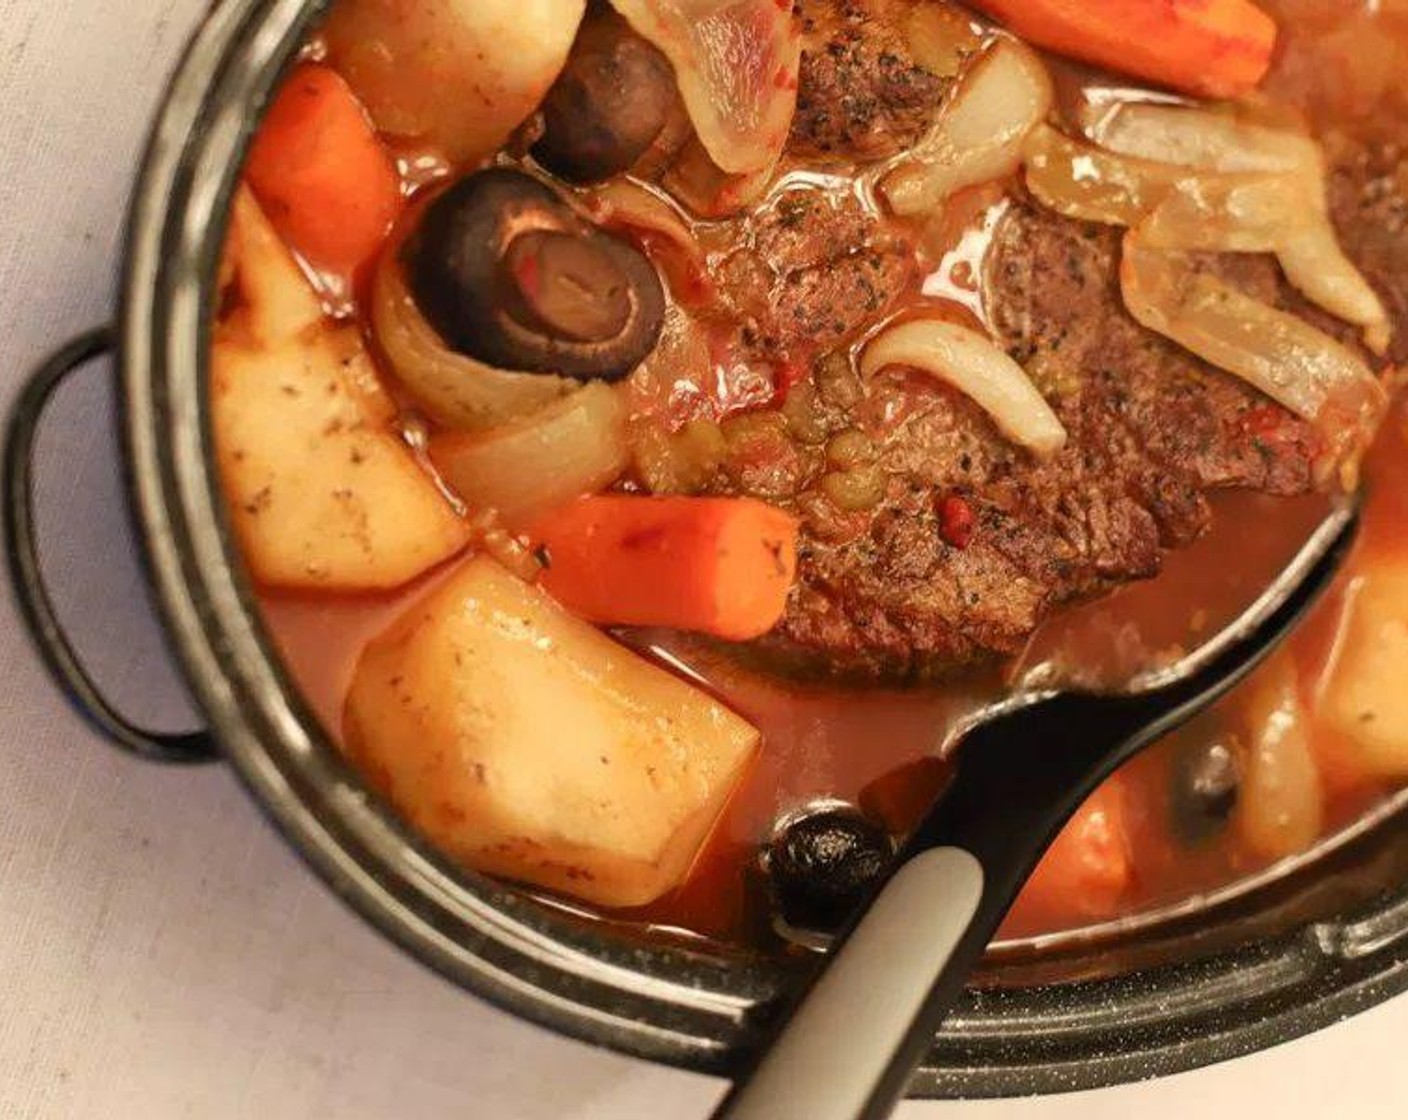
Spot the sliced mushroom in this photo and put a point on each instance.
(609, 105)
(509, 274)
(1203, 793)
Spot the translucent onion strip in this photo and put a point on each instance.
(1283, 356)
(1228, 213)
(1082, 181)
(1175, 207)
(977, 367)
(736, 62)
(455, 389)
(1219, 142)
(574, 446)
(622, 203)
(1202, 138)
(1318, 268)
(977, 136)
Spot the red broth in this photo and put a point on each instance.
(885, 750)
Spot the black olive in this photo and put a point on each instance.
(1206, 780)
(613, 98)
(821, 866)
(509, 274)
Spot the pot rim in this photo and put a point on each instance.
(677, 1005)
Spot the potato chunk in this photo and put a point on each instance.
(526, 743)
(1366, 700)
(457, 75)
(322, 490)
(1281, 808)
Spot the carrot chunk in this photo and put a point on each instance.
(1088, 871)
(720, 566)
(320, 173)
(1213, 48)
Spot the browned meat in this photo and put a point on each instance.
(901, 590)
(813, 270)
(861, 93)
(970, 542)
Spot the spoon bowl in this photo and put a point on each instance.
(1026, 765)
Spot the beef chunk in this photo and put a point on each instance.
(974, 542)
(861, 93)
(814, 269)
(1054, 297)
(892, 592)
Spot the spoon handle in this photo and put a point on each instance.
(852, 1041)
(828, 1062)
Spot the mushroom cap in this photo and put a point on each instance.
(612, 100)
(508, 273)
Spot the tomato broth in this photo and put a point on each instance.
(888, 749)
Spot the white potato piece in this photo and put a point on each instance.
(1366, 700)
(524, 742)
(322, 491)
(456, 75)
(1281, 806)
(276, 302)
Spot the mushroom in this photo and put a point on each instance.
(610, 104)
(1207, 777)
(512, 276)
(822, 863)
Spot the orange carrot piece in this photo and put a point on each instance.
(1088, 872)
(720, 566)
(320, 173)
(1214, 48)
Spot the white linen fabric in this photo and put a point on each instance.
(162, 954)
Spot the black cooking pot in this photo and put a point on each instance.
(1301, 953)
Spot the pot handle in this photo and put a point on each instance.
(22, 556)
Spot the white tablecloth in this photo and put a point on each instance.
(161, 953)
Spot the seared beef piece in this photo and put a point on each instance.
(1055, 301)
(889, 593)
(860, 93)
(815, 269)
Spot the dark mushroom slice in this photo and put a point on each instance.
(512, 276)
(613, 99)
(822, 864)
(1206, 779)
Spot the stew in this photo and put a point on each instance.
(654, 428)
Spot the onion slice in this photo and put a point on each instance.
(624, 204)
(976, 366)
(1318, 268)
(1219, 142)
(454, 388)
(1283, 356)
(1082, 181)
(977, 136)
(1201, 138)
(736, 62)
(574, 446)
(1175, 207)
(1229, 214)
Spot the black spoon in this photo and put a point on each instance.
(847, 1046)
